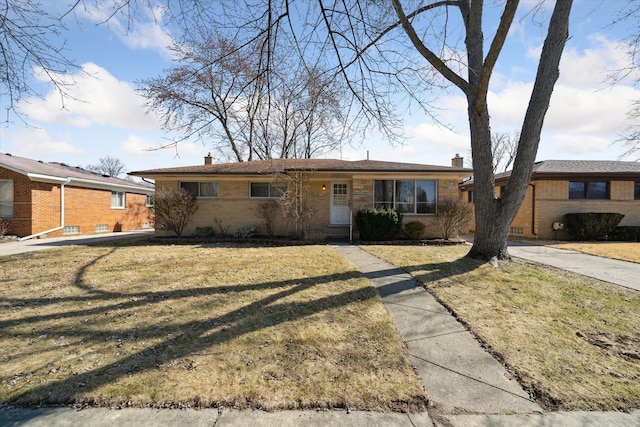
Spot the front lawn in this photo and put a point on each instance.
(574, 342)
(625, 251)
(133, 324)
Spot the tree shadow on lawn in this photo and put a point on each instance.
(183, 339)
(423, 273)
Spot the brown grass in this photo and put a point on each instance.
(625, 251)
(574, 342)
(183, 326)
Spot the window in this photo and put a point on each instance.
(636, 190)
(207, 189)
(470, 197)
(268, 189)
(71, 229)
(117, 200)
(102, 228)
(406, 195)
(6, 198)
(598, 190)
(149, 203)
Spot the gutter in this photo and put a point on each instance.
(61, 226)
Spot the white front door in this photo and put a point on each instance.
(340, 203)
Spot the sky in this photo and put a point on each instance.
(106, 117)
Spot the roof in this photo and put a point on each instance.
(563, 169)
(275, 166)
(59, 173)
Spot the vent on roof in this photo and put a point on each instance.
(8, 154)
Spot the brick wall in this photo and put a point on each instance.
(234, 208)
(554, 203)
(21, 223)
(37, 208)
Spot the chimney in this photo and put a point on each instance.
(208, 160)
(457, 161)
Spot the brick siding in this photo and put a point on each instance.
(37, 208)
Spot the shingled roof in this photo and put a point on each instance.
(274, 166)
(58, 172)
(559, 169)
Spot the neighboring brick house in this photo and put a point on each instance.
(228, 194)
(53, 199)
(559, 187)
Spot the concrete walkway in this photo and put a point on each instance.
(459, 376)
(622, 273)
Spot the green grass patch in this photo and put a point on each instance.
(574, 342)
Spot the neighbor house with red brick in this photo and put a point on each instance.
(54, 199)
(328, 191)
(558, 187)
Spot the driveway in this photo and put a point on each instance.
(622, 273)
(18, 247)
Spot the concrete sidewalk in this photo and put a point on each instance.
(458, 374)
(622, 273)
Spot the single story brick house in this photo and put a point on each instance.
(559, 187)
(54, 199)
(229, 194)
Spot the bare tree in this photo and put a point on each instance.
(631, 138)
(503, 150)
(504, 147)
(249, 105)
(172, 210)
(109, 166)
(30, 42)
(453, 217)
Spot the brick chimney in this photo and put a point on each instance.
(457, 161)
(208, 160)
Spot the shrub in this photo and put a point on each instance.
(378, 224)
(268, 211)
(246, 231)
(453, 217)
(172, 209)
(414, 230)
(626, 233)
(203, 232)
(591, 225)
(5, 228)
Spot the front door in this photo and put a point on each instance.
(340, 203)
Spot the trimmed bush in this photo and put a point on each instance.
(627, 233)
(378, 224)
(203, 232)
(414, 230)
(591, 225)
(246, 231)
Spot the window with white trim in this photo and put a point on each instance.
(406, 196)
(263, 190)
(6, 198)
(203, 189)
(117, 200)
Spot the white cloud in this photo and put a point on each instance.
(143, 29)
(94, 97)
(570, 146)
(38, 144)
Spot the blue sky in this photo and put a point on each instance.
(586, 116)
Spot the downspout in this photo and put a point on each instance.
(61, 215)
(533, 210)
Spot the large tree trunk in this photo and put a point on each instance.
(494, 215)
